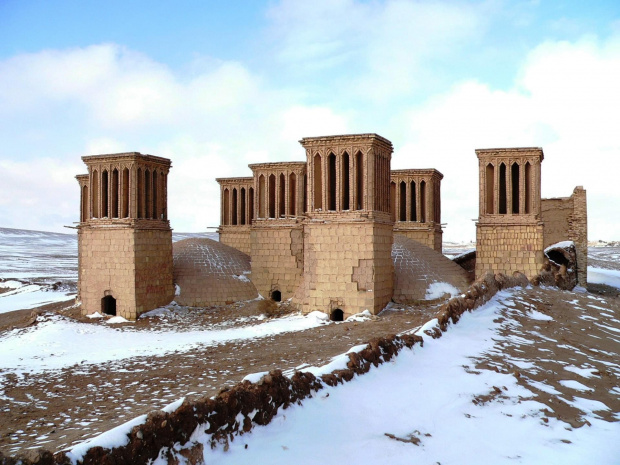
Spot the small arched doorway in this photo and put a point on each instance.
(276, 296)
(337, 315)
(108, 305)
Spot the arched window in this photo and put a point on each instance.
(423, 201)
(393, 200)
(414, 216)
(95, 191)
(272, 196)
(147, 194)
(251, 206)
(345, 182)
(528, 188)
(125, 191)
(502, 189)
(105, 206)
(84, 204)
(234, 207)
(114, 202)
(140, 191)
(242, 194)
(305, 190)
(155, 206)
(318, 183)
(514, 179)
(359, 180)
(489, 180)
(226, 207)
(292, 194)
(331, 182)
(282, 196)
(403, 201)
(261, 196)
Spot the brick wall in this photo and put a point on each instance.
(430, 237)
(237, 237)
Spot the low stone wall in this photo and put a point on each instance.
(236, 411)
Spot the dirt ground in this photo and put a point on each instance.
(56, 410)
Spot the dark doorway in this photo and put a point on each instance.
(276, 296)
(108, 305)
(337, 315)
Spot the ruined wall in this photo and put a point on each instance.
(237, 237)
(506, 248)
(277, 256)
(134, 266)
(429, 237)
(347, 265)
(566, 219)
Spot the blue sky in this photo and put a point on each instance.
(217, 85)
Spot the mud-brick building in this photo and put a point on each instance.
(515, 225)
(124, 236)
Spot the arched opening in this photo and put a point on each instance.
(318, 183)
(414, 216)
(140, 194)
(155, 207)
(489, 180)
(331, 181)
(95, 191)
(84, 203)
(558, 257)
(276, 296)
(272, 196)
(114, 202)
(251, 206)
(147, 194)
(242, 194)
(104, 195)
(282, 196)
(502, 189)
(403, 201)
(437, 203)
(528, 188)
(359, 180)
(345, 182)
(393, 200)
(108, 305)
(226, 207)
(423, 201)
(337, 315)
(261, 196)
(305, 191)
(125, 191)
(292, 197)
(233, 218)
(514, 178)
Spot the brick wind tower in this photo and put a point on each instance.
(348, 232)
(509, 231)
(124, 236)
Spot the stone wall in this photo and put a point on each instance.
(430, 237)
(347, 265)
(133, 266)
(566, 218)
(237, 237)
(277, 257)
(507, 248)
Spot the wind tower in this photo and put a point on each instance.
(124, 236)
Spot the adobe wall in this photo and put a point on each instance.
(347, 265)
(429, 237)
(506, 248)
(566, 218)
(237, 237)
(277, 252)
(133, 266)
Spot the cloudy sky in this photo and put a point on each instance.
(217, 85)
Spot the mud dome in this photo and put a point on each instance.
(207, 273)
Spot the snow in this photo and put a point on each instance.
(536, 315)
(57, 342)
(360, 317)
(30, 296)
(426, 394)
(560, 245)
(571, 383)
(437, 290)
(603, 276)
(117, 319)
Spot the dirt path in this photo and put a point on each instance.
(57, 409)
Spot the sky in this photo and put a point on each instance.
(215, 86)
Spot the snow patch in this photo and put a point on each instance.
(437, 290)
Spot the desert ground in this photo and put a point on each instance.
(544, 358)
